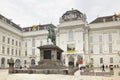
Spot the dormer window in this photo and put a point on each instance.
(4, 19)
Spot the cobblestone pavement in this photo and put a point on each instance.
(5, 76)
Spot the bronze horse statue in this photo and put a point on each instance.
(51, 35)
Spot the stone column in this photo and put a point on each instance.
(11, 65)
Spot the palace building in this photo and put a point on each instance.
(96, 43)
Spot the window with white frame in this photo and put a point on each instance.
(33, 51)
(91, 39)
(70, 35)
(8, 50)
(91, 48)
(110, 37)
(33, 42)
(19, 44)
(12, 41)
(3, 49)
(16, 52)
(12, 51)
(100, 38)
(8, 40)
(25, 44)
(16, 43)
(100, 48)
(111, 59)
(25, 52)
(19, 53)
(3, 39)
(110, 47)
(101, 60)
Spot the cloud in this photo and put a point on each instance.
(96, 8)
(29, 12)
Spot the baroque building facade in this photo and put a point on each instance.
(93, 43)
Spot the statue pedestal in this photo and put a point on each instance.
(50, 56)
(50, 60)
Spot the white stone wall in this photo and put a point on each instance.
(104, 29)
(12, 36)
(81, 38)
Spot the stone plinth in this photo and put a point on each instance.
(50, 60)
(50, 57)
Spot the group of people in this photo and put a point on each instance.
(103, 67)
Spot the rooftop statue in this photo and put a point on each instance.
(51, 35)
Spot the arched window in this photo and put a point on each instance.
(17, 63)
(71, 61)
(3, 61)
(32, 62)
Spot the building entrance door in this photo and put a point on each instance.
(17, 63)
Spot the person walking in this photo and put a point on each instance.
(103, 68)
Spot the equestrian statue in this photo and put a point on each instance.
(51, 35)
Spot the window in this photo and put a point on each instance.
(8, 40)
(25, 44)
(25, 62)
(16, 52)
(3, 39)
(12, 51)
(7, 61)
(19, 52)
(16, 43)
(91, 39)
(41, 43)
(33, 51)
(110, 47)
(25, 52)
(100, 38)
(33, 42)
(12, 41)
(110, 37)
(101, 60)
(3, 60)
(100, 48)
(8, 50)
(3, 49)
(92, 60)
(91, 49)
(19, 44)
(111, 60)
(70, 34)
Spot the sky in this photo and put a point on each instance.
(33, 12)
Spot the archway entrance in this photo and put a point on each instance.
(3, 62)
(17, 63)
(79, 59)
(33, 62)
(71, 61)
